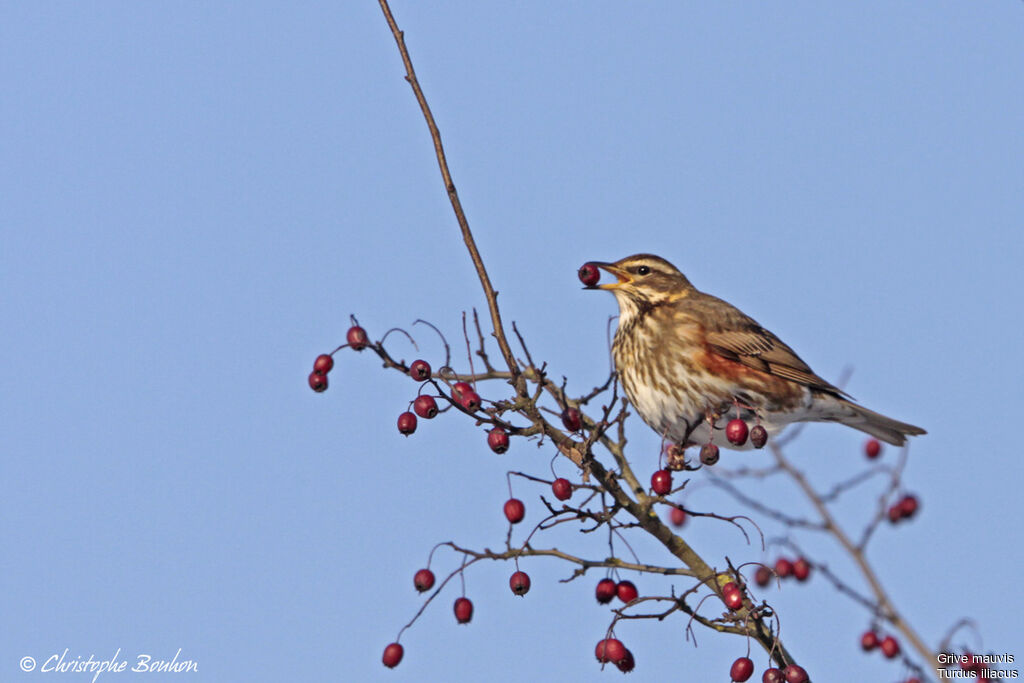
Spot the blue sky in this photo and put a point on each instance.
(197, 196)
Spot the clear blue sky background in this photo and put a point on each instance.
(196, 196)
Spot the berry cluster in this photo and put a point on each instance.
(799, 569)
(732, 596)
(424, 579)
(905, 508)
(743, 668)
(318, 378)
(737, 432)
(356, 338)
(425, 406)
(889, 646)
(608, 589)
(612, 651)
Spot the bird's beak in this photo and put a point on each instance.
(623, 277)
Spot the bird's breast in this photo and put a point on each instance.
(658, 374)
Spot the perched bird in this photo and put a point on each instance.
(690, 362)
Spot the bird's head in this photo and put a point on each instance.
(643, 281)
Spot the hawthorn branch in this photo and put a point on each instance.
(642, 511)
(857, 554)
(584, 564)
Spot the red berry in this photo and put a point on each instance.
(572, 420)
(709, 454)
(783, 567)
(742, 669)
(610, 650)
(762, 576)
(915, 679)
(420, 370)
(895, 513)
(424, 580)
(407, 423)
(869, 641)
(890, 647)
(736, 432)
(772, 675)
(519, 583)
(626, 591)
(908, 506)
(758, 436)
(317, 382)
(732, 596)
(661, 482)
(463, 610)
(425, 406)
(605, 591)
(323, 364)
(497, 439)
(677, 516)
(471, 402)
(392, 655)
(514, 510)
(561, 488)
(589, 274)
(356, 338)
(465, 396)
(795, 674)
(872, 448)
(627, 663)
(801, 569)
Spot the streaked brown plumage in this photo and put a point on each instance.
(687, 359)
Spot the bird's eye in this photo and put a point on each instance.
(643, 270)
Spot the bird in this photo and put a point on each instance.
(689, 363)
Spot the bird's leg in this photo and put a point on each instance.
(711, 417)
(737, 403)
(675, 453)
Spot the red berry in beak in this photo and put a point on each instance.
(589, 274)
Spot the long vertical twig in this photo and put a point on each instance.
(453, 197)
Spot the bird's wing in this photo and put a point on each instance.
(734, 335)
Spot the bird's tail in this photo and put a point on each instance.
(877, 425)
